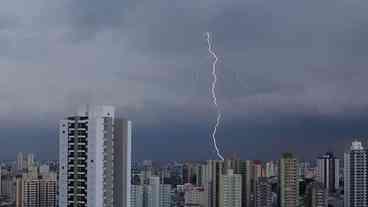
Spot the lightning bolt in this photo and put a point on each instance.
(214, 98)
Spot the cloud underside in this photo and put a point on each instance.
(280, 62)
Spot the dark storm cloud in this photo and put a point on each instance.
(7, 22)
(281, 62)
(97, 14)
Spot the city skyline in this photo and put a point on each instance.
(284, 181)
(183, 103)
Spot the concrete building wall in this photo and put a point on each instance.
(288, 181)
(230, 193)
(95, 159)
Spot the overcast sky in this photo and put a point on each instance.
(292, 73)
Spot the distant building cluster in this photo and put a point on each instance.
(287, 182)
(95, 169)
(28, 183)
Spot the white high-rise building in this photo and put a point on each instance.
(44, 170)
(230, 190)
(211, 178)
(30, 161)
(156, 194)
(212, 171)
(355, 176)
(20, 161)
(165, 195)
(136, 196)
(271, 169)
(95, 159)
(153, 192)
(194, 196)
(303, 166)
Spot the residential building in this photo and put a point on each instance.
(355, 176)
(165, 195)
(95, 159)
(36, 191)
(316, 195)
(195, 196)
(263, 193)
(230, 190)
(328, 167)
(213, 170)
(136, 196)
(288, 181)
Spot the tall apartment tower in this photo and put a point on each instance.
(136, 196)
(212, 172)
(153, 192)
(355, 176)
(8, 184)
(20, 161)
(328, 171)
(39, 193)
(30, 161)
(316, 195)
(95, 159)
(263, 193)
(246, 169)
(156, 194)
(288, 189)
(194, 196)
(271, 169)
(230, 190)
(35, 191)
(165, 195)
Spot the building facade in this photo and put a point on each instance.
(165, 195)
(230, 190)
(355, 176)
(211, 179)
(194, 196)
(263, 193)
(248, 170)
(271, 169)
(39, 193)
(95, 159)
(288, 181)
(20, 162)
(328, 167)
(316, 195)
(136, 196)
(153, 192)
(36, 191)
